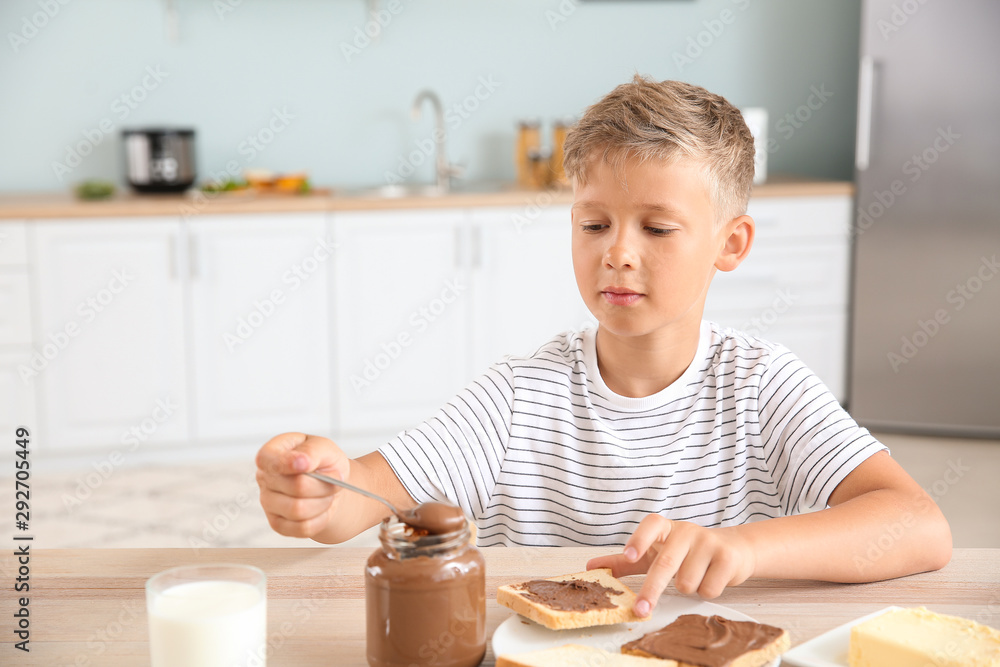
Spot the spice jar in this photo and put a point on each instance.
(541, 172)
(559, 130)
(425, 599)
(528, 140)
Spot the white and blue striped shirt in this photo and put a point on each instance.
(540, 452)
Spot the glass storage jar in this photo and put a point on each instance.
(425, 599)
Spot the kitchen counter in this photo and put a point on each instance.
(64, 205)
(87, 606)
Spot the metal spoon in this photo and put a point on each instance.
(434, 517)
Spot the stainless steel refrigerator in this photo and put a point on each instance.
(926, 294)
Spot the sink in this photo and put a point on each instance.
(401, 190)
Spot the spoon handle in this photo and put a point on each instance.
(351, 487)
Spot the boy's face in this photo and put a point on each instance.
(644, 258)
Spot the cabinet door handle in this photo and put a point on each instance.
(477, 247)
(866, 102)
(172, 257)
(194, 269)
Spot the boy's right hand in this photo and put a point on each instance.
(295, 504)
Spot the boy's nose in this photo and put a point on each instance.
(621, 252)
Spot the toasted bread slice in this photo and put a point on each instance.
(514, 596)
(778, 643)
(576, 655)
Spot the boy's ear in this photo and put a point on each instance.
(738, 237)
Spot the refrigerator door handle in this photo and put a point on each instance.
(866, 95)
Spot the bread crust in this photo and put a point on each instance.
(556, 619)
(755, 658)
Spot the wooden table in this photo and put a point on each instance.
(87, 606)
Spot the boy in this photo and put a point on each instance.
(697, 447)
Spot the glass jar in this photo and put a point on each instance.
(425, 599)
(528, 139)
(559, 130)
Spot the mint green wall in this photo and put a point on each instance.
(351, 121)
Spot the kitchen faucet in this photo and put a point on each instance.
(443, 170)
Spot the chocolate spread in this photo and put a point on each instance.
(707, 641)
(569, 595)
(434, 518)
(425, 600)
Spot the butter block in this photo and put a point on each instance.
(919, 637)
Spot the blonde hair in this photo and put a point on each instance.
(649, 120)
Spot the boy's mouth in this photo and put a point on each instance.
(620, 296)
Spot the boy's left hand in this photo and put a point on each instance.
(702, 560)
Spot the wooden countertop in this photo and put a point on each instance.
(64, 205)
(87, 606)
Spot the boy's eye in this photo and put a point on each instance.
(659, 231)
(593, 226)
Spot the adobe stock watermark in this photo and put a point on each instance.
(433, 650)
(713, 29)
(227, 514)
(35, 23)
(121, 108)
(364, 35)
(915, 167)
(89, 309)
(131, 612)
(301, 611)
(896, 530)
(561, 13)
(454, 116)
(783, 301)
(899, 15)
(252, 146)
(419, 322)
(795, 120)
(294, 278)
(959, 297)
(540, 202)
(224, 8)
(161, 413)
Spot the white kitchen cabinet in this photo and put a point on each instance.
(205, 331)
(13, 247)
(243, 326)
(260, 335)
(793, 287)
(109, 353)
(428, 300)
(16, 395)
(15, 309)
(401, 294)
(523, 283)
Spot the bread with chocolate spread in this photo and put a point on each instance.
(570, 601)
(694, 640)
(576, 655)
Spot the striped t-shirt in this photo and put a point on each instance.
(539, 452)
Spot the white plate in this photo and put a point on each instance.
(830, 649)
(517, 634)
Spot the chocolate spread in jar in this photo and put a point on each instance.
(569, 594)
(425, 599)
(707, 641)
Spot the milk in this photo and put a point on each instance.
(208, 624)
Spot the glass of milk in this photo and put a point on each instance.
(208, 616)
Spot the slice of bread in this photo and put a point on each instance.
(575, 655)
(756, 657)
(513, 597)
